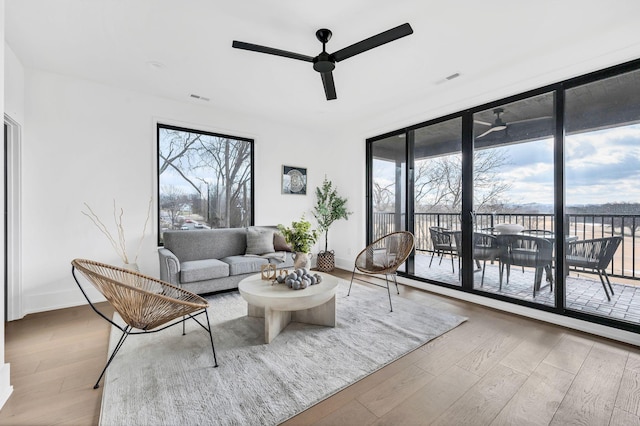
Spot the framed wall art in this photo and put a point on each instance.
(294, 180)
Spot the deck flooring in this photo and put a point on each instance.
(584, 291)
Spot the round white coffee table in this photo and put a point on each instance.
(279, 305)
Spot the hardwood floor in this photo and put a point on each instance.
(495, 369)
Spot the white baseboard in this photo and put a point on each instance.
(5, 386)
(561, 320)
(43, 302)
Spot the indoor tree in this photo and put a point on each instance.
(329, 208)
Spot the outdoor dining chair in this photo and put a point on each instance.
(525, 251)
(383, 257)
(485, 247)
(145, 304)
(594, 254)
(442, 243)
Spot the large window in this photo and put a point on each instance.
(205, 180)
(534, 198)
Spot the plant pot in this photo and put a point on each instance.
(301, 260)
(326, 261)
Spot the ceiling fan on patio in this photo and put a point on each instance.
(324, 62)
(499, 124)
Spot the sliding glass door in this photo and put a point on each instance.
(513, 198)
(602, 164)
(437, 183)
(388, 177)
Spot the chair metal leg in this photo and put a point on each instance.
(608, 282)
(353, 274)
(125, 334)
(215, 360)
(484, 265)
(386, 277)
(432, 254)
(604, 286)
(396, 281)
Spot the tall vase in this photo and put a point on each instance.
(301, 260)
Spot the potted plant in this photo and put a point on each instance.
(329, 208)
(301, 237)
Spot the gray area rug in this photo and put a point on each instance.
(167, 378)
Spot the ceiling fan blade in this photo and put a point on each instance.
(531, 119)
(271, 51)
(482, 122)
(375, 41)
(329, 87)
(493, 129)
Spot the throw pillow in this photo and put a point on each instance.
(259, 241)
(279, 243)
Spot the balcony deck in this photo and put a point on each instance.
(584, 292)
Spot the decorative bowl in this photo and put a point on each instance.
(508, 228)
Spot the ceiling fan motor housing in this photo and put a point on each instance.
(323, 63)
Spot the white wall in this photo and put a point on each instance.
(86, 142)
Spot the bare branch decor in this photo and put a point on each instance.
(118, 243)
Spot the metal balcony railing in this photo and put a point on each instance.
(625, 263)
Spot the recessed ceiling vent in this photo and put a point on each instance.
(202, 98)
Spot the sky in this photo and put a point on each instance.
(600, 167)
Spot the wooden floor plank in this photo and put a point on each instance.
(628, 398)
(487, 355)
(570, 352)
(537, 400)
(590, 399)
(526, 357)
(482, 403)
(393, 391)
(622, 418)
(428, 403)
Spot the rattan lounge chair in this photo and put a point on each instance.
(383, 257)
(145, 304)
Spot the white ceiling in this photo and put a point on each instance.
(498, 47)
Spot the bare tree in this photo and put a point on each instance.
(383, 196)
(223, 164)
(438, 183)
(172, 200)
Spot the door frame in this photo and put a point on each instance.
(13, 236)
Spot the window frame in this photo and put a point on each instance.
(160, 126)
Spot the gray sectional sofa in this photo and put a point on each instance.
(210, 260)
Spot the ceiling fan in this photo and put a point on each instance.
(325, 62)
(499, 124)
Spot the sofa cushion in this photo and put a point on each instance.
(200, 270)
(259, 241)
(206, 243)
(244, 265)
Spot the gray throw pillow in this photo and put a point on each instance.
(259, 241)
(279, 243)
